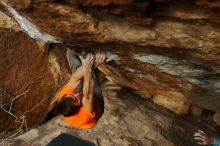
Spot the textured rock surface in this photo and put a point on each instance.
(169, 49)
(29, 77)
(26, 78)
(216, 118)
(8, 22)
(196, 111)
(126, 121)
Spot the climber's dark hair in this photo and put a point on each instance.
(66, 107)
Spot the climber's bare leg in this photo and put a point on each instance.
(74, 63)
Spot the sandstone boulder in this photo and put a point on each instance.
(128, 120)
(166, 50)
(26, 80)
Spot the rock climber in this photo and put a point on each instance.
(81, 100)
(204, 139)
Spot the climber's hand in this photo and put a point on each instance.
(88, 61)
(100, 57)
(203, 138)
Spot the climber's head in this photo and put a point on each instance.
(68, 105)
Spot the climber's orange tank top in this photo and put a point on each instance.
(83, 119)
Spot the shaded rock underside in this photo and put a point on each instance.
(166, 50)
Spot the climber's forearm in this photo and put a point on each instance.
(88, 84)
(76, 78)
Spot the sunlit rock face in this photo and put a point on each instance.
(26, 79)
(167, 51)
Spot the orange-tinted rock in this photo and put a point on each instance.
(147, 70)
(216, 118)
(8, 22)
(24, 68)
(209, 4)
(174, 101)
(164, 49)
(196, 111)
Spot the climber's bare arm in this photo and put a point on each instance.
(88, 82)
(76, 77)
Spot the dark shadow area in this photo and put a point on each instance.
(208, 113)
(69, 140)
(159, 11)
(51, 114)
